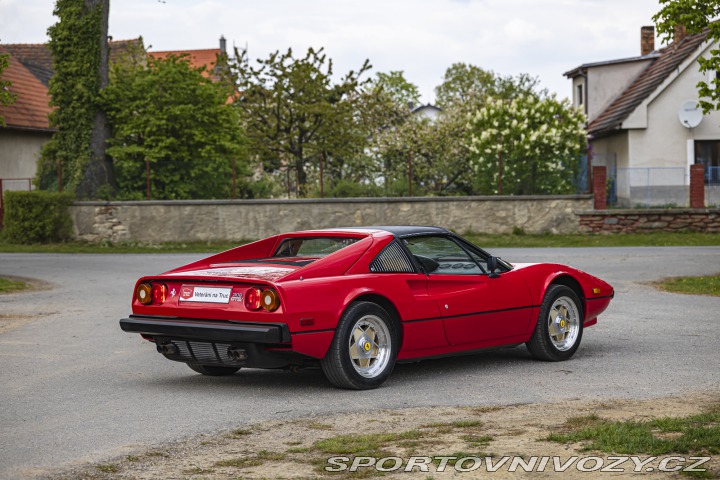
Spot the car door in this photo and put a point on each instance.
(475, 308)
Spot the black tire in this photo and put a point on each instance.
(212, 370)
(561, 345)
(376, 349)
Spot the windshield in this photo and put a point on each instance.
(312, 246)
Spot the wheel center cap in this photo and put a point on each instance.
(364, 346)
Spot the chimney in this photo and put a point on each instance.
(680, 33)
(223, 44)
(647, 40)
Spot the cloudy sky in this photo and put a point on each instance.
(421, 37)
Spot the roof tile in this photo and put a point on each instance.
(648, 81)
(198, 58)
(32, 105)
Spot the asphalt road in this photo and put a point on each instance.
(75, 388)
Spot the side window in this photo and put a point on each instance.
(392, 260)
(441, 255)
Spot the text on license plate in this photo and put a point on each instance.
(190, 293)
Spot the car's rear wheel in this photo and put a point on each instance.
(559, 329)
(213, 370)
(363, 352)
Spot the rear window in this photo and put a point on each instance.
(312, 246)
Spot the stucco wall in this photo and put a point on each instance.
(19, 152)
(664, 143)
(606, 82)
(215, 220)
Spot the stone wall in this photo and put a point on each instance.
(649, 220)
(218, 220)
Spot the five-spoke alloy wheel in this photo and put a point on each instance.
(559, 327)
(362, 354)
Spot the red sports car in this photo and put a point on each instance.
(356, 300)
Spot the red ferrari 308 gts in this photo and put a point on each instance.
(356, 300)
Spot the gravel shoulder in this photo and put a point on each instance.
(289, 449)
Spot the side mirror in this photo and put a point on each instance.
(492, 265)
(428, 264)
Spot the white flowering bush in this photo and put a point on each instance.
(533, 142)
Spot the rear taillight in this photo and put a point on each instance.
(267, 299)
(270, 300)
(253, 299)
(159, 293)
(144, 293)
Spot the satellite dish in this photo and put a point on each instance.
(690, 114)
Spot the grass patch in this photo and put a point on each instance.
(362, 444)
(239, 433)
(655, 239)
(448, 427)
(108, 468)
(239, 462)
(9, 286)
(318, 426)
(258, 459)
(709, 285)
(130, 247)
(697, 434)
(477, 441)
(197, 471)
(517, 240)
(298, 450)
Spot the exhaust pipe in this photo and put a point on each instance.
(237, 354)
(167, 349)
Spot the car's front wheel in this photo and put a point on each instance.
(212, 370)
(559, 329)
(363, 352)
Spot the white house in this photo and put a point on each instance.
(635, 107)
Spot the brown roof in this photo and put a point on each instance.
(31, 106)
(198, 58)
(648, 81)
(37, 57)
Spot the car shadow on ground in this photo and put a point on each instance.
(495, 363)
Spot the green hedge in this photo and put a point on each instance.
(37, 217)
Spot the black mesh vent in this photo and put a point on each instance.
(392, 260)
(205, 353)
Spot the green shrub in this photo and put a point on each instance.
(37, 217)
(345, 189)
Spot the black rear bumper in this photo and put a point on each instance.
(207, 330)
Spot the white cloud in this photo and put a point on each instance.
(421, 37)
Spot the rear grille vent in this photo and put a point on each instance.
(392, 260)
(204, 353)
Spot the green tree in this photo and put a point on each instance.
(168, 113)
(397, 87)
(295, 115)
(532, 141)
(78, 43)
(6, 96)
(467, 86)
(435, 151)
(695, 16)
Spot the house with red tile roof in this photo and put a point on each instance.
(210, 58)
(27, 128)
(636, 107)
(26, 122)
